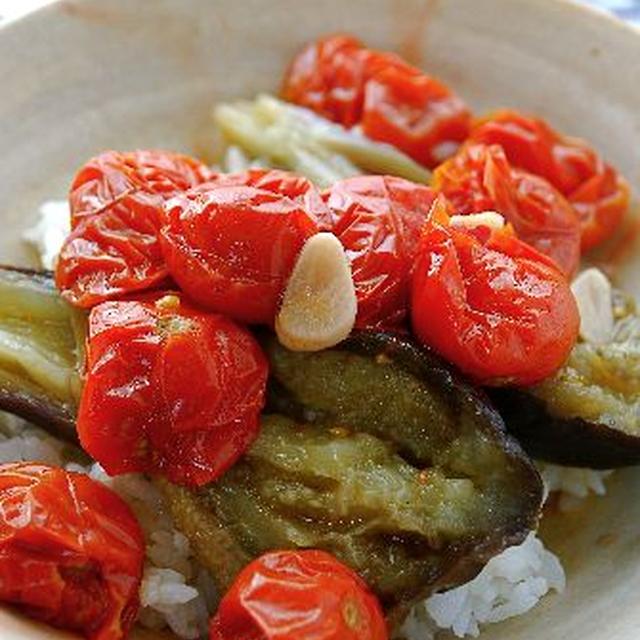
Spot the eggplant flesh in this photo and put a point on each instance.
(376, 452)
(588, 414)
(41, 344)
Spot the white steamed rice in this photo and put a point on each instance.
(48, 234)
(572, 484)
(510, 584)
(178, 593)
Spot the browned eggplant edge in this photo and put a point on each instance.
(44, 275)
(51, 414)
(56, 418)
(423, 363)
(565, 441)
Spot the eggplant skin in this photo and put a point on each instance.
(571, 441)
(587, 414)
(59, 419)
(377, 452)
(41, 351)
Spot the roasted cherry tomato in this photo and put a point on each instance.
(116, 205)
(169, 389)
(379, 220)
(394, 102)
(284, 183)
(479, 177)
(414, 112)
(232, 248)
(71, 551)
(298, 595)
(328, 76)
(490, 304)
(597, 191)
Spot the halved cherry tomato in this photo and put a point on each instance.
(116, 203)
(394, 102)
(169, 389)
(232, 248)
(298, 595)
(71, 551)
(479, 177)
(379, 220)
(596, 190)
(492, 305)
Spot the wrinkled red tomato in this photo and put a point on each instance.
(169, 389)
(298, 595)
(479, 178)
(232, 248)
(495, 307)
(284, 183)
(394, 102)
(328, 77)
(116, 203)
(71, 551)
(378, 220)
(416, 113)
(599, 194)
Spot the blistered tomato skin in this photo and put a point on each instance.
(169, 389)
(495, 307)
(232, 248)
(116, 203)
(298, 595)
(328, 77)
(378, 220)
(393, 102)
(284, 183)
(416, 113)
(71, 551)
(598, 193)
(479, 178)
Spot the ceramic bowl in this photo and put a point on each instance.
(78, 77)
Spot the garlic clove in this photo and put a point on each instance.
(491, 219)
(593, 293)
(319, 304)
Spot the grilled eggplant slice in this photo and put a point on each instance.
(376, 452)
(41, 342)
(587, 415)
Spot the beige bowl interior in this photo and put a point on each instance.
(79, 77)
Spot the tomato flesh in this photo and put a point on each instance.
(492, 305)
(598, 193)
(298, 595)
(378, 220)
(169, 389)
(116, 203)
(71, 551)
(479, 178)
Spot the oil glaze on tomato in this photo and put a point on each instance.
(169, 389)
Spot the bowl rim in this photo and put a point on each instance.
(578, 6)
(585, 12)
